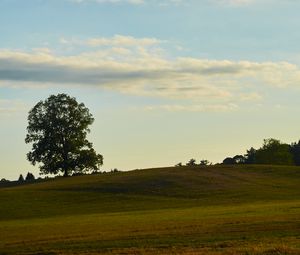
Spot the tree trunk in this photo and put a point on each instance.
(66, 173)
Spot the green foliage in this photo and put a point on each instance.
(58, 127)
(274, 152)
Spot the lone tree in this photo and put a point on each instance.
(58, 127)
(21, 178)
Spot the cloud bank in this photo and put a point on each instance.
(138, 66)
(235, 2)
(134, 2)
(166, 2)
(109, 1)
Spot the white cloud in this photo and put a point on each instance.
(124, 41)
(234, 2)
(194, 108)
(139, 66)
(110, 1)
(135, 2)
(167, 2)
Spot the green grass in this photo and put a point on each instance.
(250, 210)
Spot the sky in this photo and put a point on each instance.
(166, 80)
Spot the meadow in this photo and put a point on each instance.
(243, 209)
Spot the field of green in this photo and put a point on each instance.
(249, 210)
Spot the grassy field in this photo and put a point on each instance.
(249, 210)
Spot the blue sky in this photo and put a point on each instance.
(165, 80)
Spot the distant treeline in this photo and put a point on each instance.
(30, 178)
(272, 152)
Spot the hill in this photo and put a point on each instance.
(185, 210)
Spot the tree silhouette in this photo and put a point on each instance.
(295, 150)
(58, 127)
(250, 156)
(21, 178)
(239, 159)
(274, 152)
(204, 162)
(29, 177)
(229, 161)
(192, 162)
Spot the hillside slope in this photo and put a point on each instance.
(151, 189)
(178, 210)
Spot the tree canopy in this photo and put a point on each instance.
(272, 152)
(57, 129)
(29, 177)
